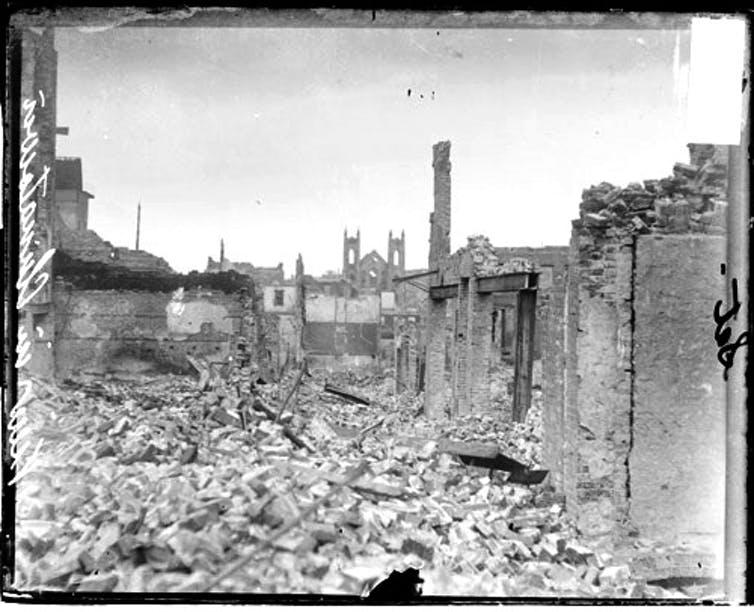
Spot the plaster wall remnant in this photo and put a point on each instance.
(338, 329)
(279, 298)
(110, 318)
(640, 441)
(677, 463)
(113, 330)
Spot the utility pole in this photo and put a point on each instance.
(138, 224)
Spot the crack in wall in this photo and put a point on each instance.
(632, 374)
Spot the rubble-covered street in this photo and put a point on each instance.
(153, 484)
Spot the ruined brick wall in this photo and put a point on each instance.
(550, 262)
(268, 340)
(279, 340)
(408, 345)
(458, 349)
(549, 339)
(601, 378)
(110, 330)
(479, 346)
(439, 325)
(641, 385)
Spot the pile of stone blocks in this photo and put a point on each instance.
(692, 200)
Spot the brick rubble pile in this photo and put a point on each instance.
(693, 200)
(486, 261)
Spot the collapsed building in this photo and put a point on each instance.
(474, 296)
(633, 397)
(261, 275)
(115, 309)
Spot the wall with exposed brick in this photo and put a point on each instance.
(641, 385)
(479, 345)
(438, 361)
(600, 378)
(408, 345)
(460, 349)
(550, 262)
(100, 331)
(549, 340)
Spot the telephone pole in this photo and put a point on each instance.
(138, 224)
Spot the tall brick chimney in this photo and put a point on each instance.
(439, 241)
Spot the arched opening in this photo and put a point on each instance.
(351, 256)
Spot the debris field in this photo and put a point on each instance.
(323, 483)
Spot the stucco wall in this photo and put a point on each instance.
(289, 299)
(678, 456)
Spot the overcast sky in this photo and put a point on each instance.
(277, 139)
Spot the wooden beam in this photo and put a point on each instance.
(478, 449)
(509, 299)
(443, 292)
(522, 378)
(514, 281)
(400, 279)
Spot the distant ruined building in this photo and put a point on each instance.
(262, 275)
(371, 273)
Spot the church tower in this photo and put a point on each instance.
(396, 259)
(351, 257)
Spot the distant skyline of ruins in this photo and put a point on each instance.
(275, 140)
